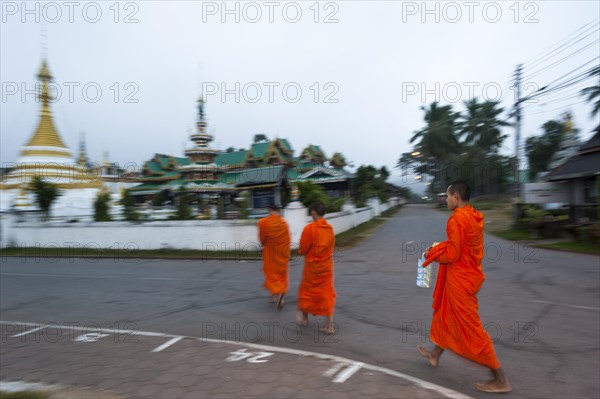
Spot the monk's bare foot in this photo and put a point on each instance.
(493, 386)
(273, 298)
(329, 329)
(433, 360)
(280, 302)
(301, 319)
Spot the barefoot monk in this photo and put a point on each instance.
(456, 324)
(317, 293)
(274, 235)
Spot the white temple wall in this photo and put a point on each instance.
(210, 235)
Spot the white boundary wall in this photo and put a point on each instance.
(210, 235)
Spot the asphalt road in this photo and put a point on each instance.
(541, 307)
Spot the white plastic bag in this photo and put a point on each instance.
(423, 273)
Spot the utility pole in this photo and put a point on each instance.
(519, 100)
(518, 131)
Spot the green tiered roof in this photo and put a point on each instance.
(231, 158)
(162, 171)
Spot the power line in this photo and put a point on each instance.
(545, 90)
(573, 91)
(573, 70)
(558, 108)
(568, 83)
(551, 97)
(533, 60)
(541, 104)
(594, 31)
(536, 73)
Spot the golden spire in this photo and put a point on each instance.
(45, 135)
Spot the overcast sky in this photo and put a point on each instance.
(361, 74)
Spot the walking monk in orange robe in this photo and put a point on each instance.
(274, 235)
(317, 294)
(456, 324)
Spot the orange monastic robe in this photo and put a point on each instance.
(317, 294)
(456, 324)
(274, 235)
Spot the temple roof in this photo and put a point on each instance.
(584, 164)
(231, 158)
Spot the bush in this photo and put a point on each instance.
(129, 212)
(335, 204)
(311, 193)
(160, 198)
(45, 194)
(184, 205)
(101, 207)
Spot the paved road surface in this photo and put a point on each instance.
(542, 307)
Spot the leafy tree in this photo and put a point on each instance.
(439, 153)
(260, 138)
(244, 204)
(311, 192)
(369, 182)
(481, 126)
(184, 205)
(101, 207)
(45, 194)
(593, 92)
(130, 214)
(485, 173)
(230, 149)
(383, 172)
(438, 138)
(160, 198)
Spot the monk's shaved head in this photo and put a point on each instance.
(462, 189)
(318, 207)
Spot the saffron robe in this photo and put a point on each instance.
(317, 293)
(456, 324)
(274, 235)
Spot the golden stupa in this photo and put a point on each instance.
(46, 155)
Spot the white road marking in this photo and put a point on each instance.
(28, 332)
(347, 372)
(260, 357)
(447, 392)
(167, 344)
(567, 305)
(250, 357)
(334, 369)
(91, 337)
(18, 386)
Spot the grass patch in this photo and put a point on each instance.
(571, 246)
(513, 235)
(24, 395)
(131, 254)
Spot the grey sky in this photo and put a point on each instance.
(374, 51)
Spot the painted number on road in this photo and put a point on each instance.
(251, 357)
(93, 337)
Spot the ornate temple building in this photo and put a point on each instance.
(261, 174)
(266, 171)
(46, 155)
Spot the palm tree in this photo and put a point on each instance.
(481, 126)
(593, 92)
(437, 138)
(437, 141)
